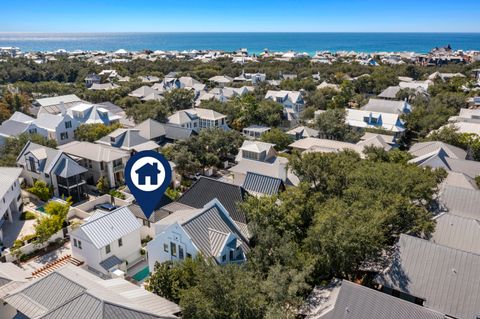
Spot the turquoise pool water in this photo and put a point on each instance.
(141, 275)
(41, 209)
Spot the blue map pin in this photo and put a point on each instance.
(148, 175)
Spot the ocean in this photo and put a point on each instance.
(254, 42)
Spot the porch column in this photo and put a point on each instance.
(111, 175)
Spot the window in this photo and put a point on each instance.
(101, 166)
(173, 249)
(112, 139)
(31, 165)
(146, 223)
(120, 242)
(68, 124)
(231, 255)
(47, 176)
(107, 249)
(165, 248)
(180, 252)
(90, 163)
(75, 242)
(224, 258)
(64, 136)
(79, 244)
(32, 131)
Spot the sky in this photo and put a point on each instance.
(239, 16)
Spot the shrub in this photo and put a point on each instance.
(27, 216)
(41, 190)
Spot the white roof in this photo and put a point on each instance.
(387, 121)
(58, 99)
(8, 176)
(105, 229)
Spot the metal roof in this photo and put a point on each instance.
(110, 262)
(457, 232)
(67, 168)
(461, 201)
(111, 226)
(446, 278)
(206, 189)
(261, 184)
(359, 302)
(71, 292)
(212, 218)
(8, 176)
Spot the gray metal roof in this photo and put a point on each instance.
(262, 184)
(390, 92)
(177, 133)
(13, 128)
(211, 220)
(457, 232)
(8, 176)
(111, 226)
(206, 189)
(359, 302)
(93, 151)
(446, 278)
(73, 293)
(461, 201)
(68, 168)
(128, 139)
(423, 148)
(110, 262)
(151, 129)
(386, 106)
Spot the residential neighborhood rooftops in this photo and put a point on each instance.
(359, 302)
(457, 232)
(51, 101)
(387, 106)
(445, 278)
(71, 292)
(261, 184)
(423, 148)
(461, 201)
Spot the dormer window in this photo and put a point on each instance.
(112, 139)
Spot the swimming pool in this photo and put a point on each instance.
(141, 275)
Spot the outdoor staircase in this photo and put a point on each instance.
(54, 265)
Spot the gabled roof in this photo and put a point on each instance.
(50, 121)
(13, 128)
(128, 139)
(71, 292)
(11, 277)
(212, 218)
(446, 278)
(151, 129)
(8, 176)
(103, 230)
(359, 302)
(21, 117)
(423, 148)
(457, 232)
(386, 106)
(387, 121)
(49, 101)
(390, 92)
(256, 146)
(142, 92)
(303, 132)
(206, 189)
(261, 184)
(92, 114)
(94, 152)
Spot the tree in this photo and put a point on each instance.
(331, 124)
(157, 110)
(14, 145)
(55, 208)
(46, 227)
(178, 99)
(93, 132)
(103, 185)
(41, 190)
(277, 137)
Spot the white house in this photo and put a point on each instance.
(186, 233)
(387, 106)
(198, 118)
(86, 113)
(60, 128)
(292, 101)
(54, 105)
(53, 167)
(108, 241)
(10, 194)
(17, 124)
(376, 120)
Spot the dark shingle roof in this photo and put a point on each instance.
(157, 214)
(262, 184)
(110, 262)
(446, 278)
(358, 302)
(206, 189)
